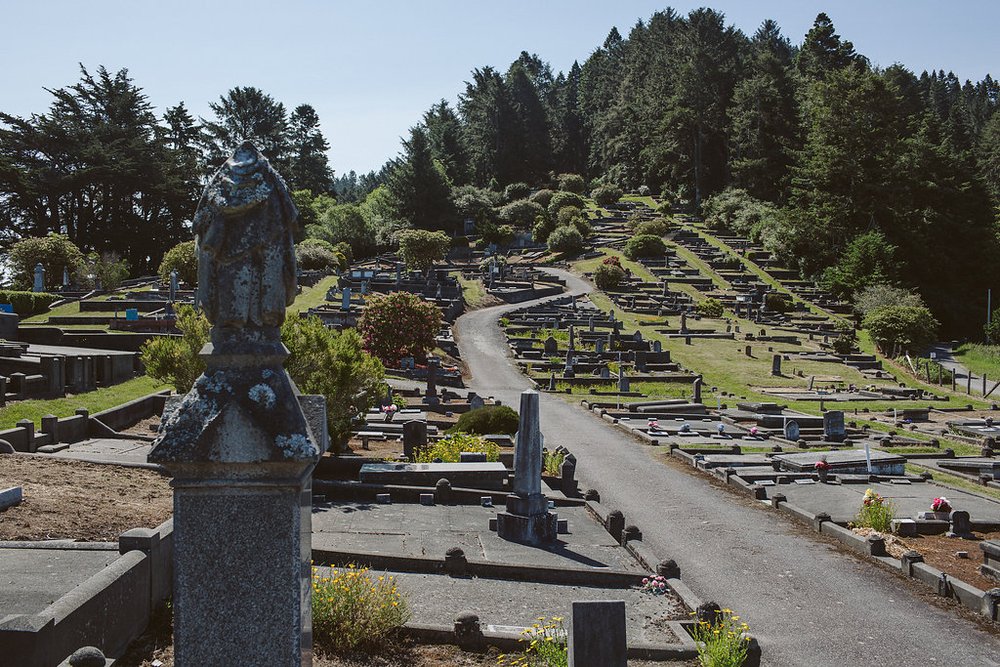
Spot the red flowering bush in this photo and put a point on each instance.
(398, 325)
(612, 259)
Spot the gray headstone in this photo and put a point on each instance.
(696, 389)
(414, 437)
(834, 428)
(623, 384)
(776, 365)
(39, 285)
(173, 285)
(792, 431)
(527, 518)
(597, 634)
(475, 401)
(657, 346)
(345, 299)
(550, 345)
(684, 322)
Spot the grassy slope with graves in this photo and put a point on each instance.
(725, 366)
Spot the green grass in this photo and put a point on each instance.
(980, 359)
(473, 291)
(95, 401)
(311, 297)
(72, 308)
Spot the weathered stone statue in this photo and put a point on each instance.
(245, 232)
(239, 445)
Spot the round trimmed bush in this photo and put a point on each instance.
(655, 227)
(489, 419)
(542, 197)
(645, 245)
(566, 239)
(572, 183)
(562, 199)
(516, 191)
(605, 195)
(609, 276)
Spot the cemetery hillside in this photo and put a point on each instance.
(683, 355)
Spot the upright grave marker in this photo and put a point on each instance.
(239, 446)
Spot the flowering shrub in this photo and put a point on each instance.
(656, 585)
(547, 646)
(398, 325)
(449, 449)
(876, 512)
(351, 608)
(941, 505)
(723, 644)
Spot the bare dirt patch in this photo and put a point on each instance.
(941, 552)
(74, 500)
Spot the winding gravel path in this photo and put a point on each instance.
(808, 602)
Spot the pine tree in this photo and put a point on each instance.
(309, 167)
(248, 114)
(444, 131)
(417, 187)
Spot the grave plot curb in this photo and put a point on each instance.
(442, 634)
(982, 602)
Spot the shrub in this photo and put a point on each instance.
(175, 360)
(502, 235)
(572, 183)
(846, 341)
(542, 197)
(521, 213)
(181, 257)
(777, 302)
(710, 308)
(398, 324)
(869, 259)
(605, 195)
(875, 512)
(487, 420)
(566, 240)
(542, 229)
(552, 462)
(562, 199)
(723, 643)
(318, 255)
(27, 304)
(352, 608)
(460, 242)
(882, 294)
(321, 361)
(609, 276)
(419, 248)
(655, 227)
(106, 269)
(643, 191)
(901, 327)
(55, 252)
(645, 245)
(450, 448)
(547, 645)
(516, 191)
(334, 365)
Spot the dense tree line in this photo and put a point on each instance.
(101, 168)
(824, 156)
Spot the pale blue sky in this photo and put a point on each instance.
(372, 68)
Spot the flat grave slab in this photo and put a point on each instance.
(437, 599)
(841, 501)
(107, 450)
(735, 461)
(428, 532)
(32, 579)
(850, 461)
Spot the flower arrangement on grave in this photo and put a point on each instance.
(876, 513)
(389, 411)
(653, 425)
(655, 585)
(941, 505)
(821, 464)
(753, 431)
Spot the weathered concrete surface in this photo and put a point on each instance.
(427, 532)
(808, 602)
(32, 579)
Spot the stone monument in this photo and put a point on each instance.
(239, 446)
(527, 518)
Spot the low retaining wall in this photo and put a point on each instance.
(108, 610)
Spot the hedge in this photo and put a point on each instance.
(27, 304)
